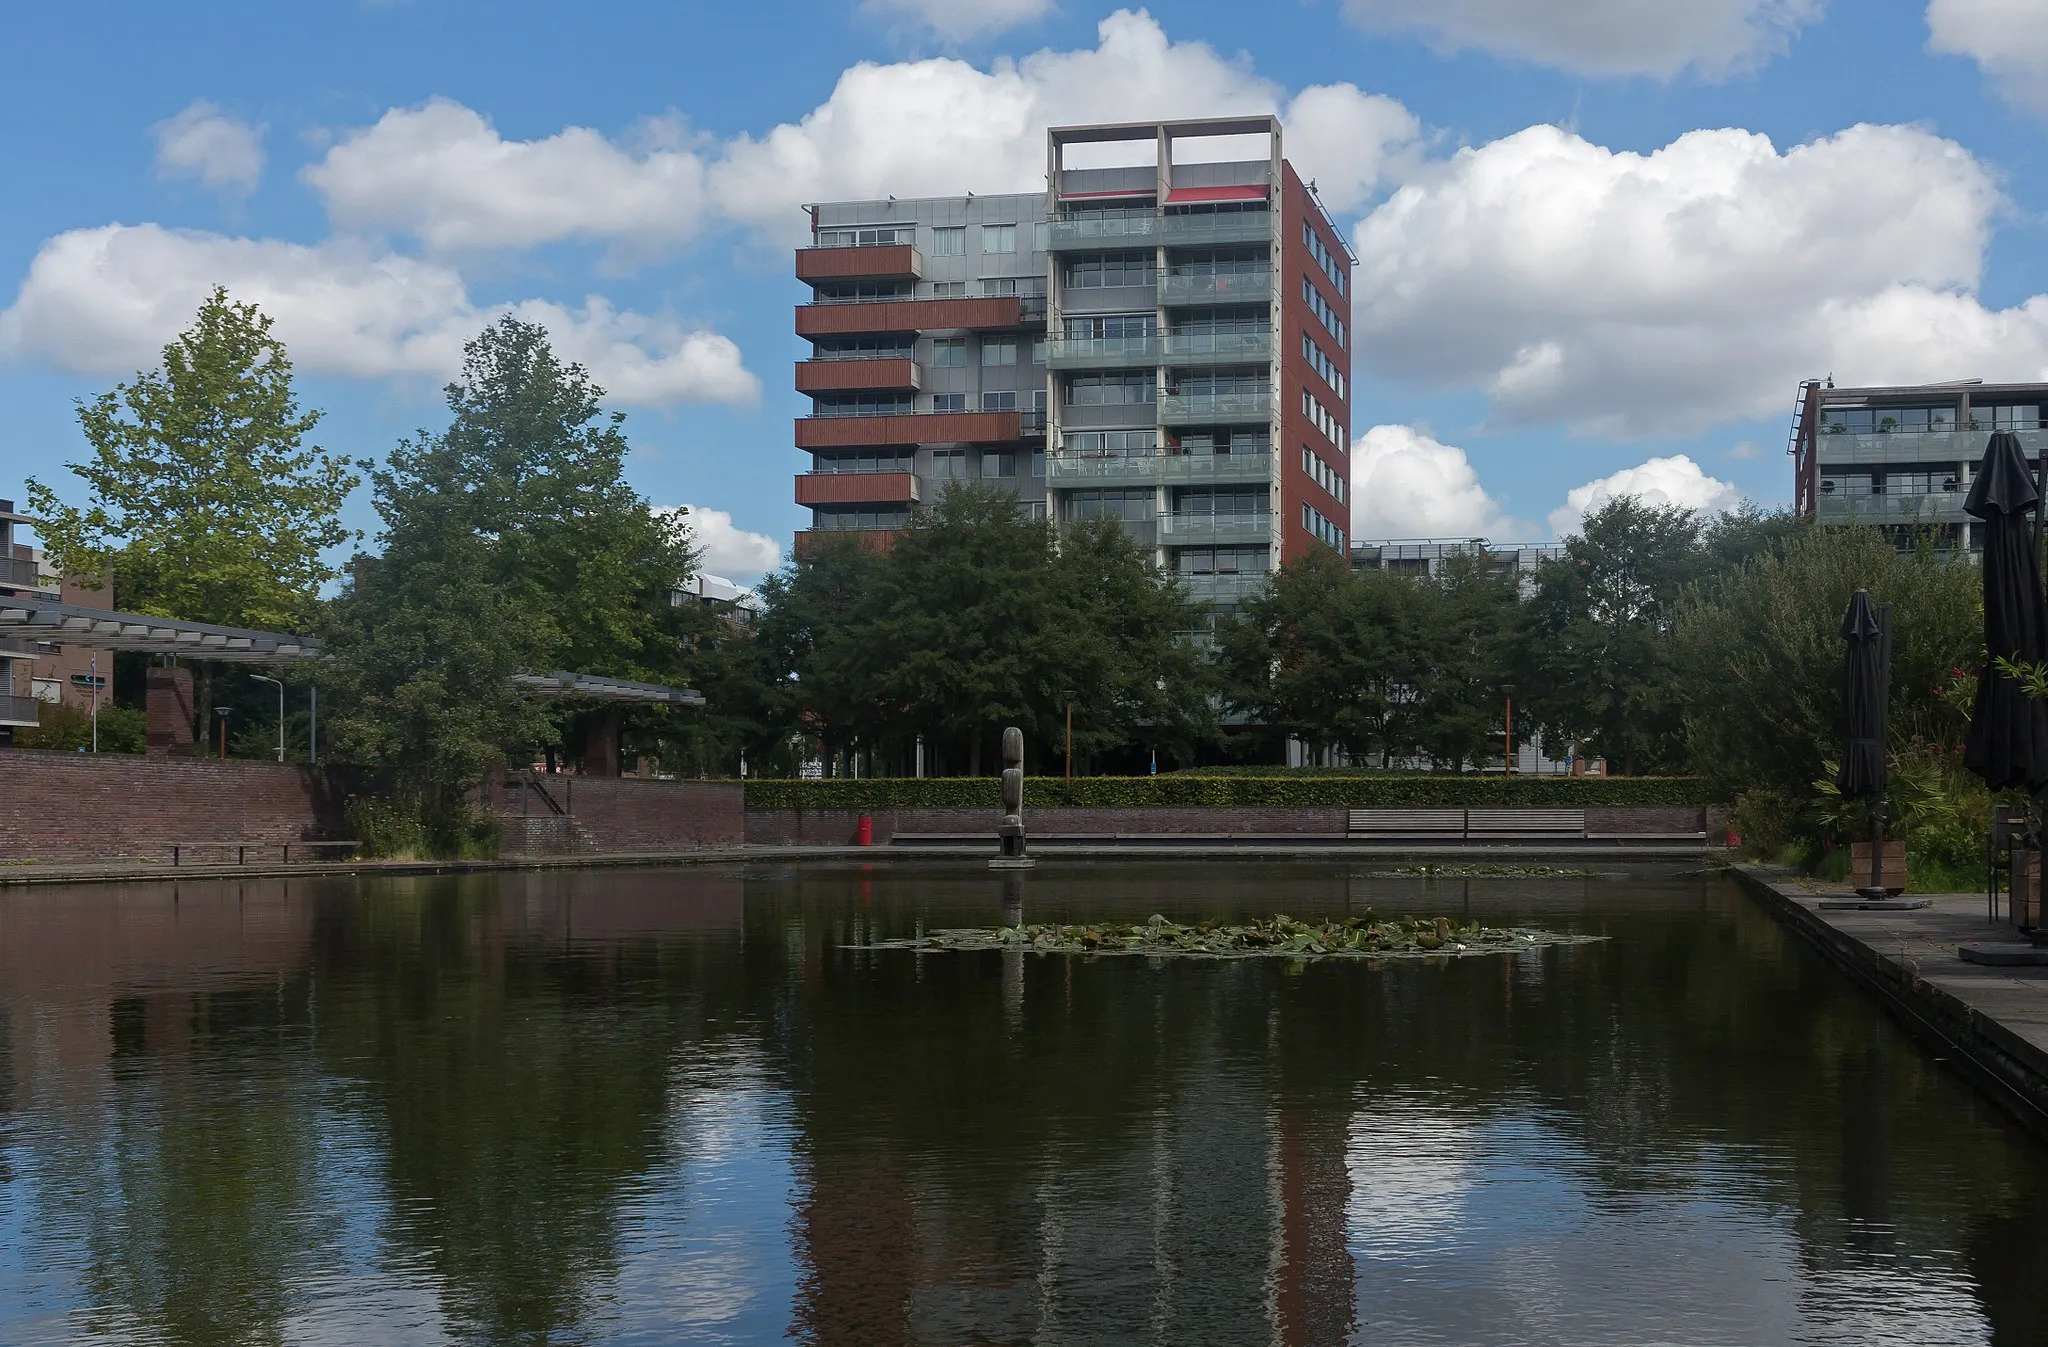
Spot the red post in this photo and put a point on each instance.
(864, 833)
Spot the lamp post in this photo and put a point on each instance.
(263, 678)
(222, 713)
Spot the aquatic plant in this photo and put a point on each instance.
(1366, 936)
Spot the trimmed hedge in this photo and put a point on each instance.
(1418, 791)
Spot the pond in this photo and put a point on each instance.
(684, 1105)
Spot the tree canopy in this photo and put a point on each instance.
(203, 497)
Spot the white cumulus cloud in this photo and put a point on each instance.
(444, 174)
(961, 20)
(105, 300)
(1661, 38)
(2007, 38)
(727, 549)
(1627, 293)
(1661, 481)
(202, 142)
(1405, 484)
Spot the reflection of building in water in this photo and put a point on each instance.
(1185, 1197)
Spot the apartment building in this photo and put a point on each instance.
(1161, 337)
(1901, 456)
(34, 672)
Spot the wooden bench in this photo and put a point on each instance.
(242, 848)
(1525, 823)
(1408, 822)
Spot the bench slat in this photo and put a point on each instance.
(1510, 821)
(1407, 820)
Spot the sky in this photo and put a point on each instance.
(1600, 242)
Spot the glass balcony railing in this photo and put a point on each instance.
(1223, 589)
(21, 573)
(20, 710)
(1076, 470)
(1214, 408)
(1110, 229)
(1200, 469)
(1930, 446)
(1070, 469)
(1252, 287)
(1249, 226)
(1218, 348)
(1180, 529)
(1101, 352)
(1945, 507)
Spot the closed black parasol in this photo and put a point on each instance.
(2008, 739)
(1866, 694)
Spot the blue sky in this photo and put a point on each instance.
(1601, 240)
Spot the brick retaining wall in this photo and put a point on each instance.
(625, 814)
(107, 806)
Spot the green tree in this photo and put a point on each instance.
(511, 541)
(1599, 670)
(1759, 654)
(1470, 620)
(203, 497)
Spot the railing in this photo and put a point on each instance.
(1102, 469)
(1070, 469)
(1223, 588)
(1930, 507)
(20, 710)
(1031, 421)
(829, 413)
(1101, 352)
(1198, 469)
(1189, 408)
(1105, 229)
(1202, 528)
(1192, 348)
(1243, 288)
(831, 357)
(1246, 226)
(1919, 446)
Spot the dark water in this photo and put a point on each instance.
(671, 1107)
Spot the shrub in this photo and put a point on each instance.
(66, 728)
(1415, 791)
(391, 829)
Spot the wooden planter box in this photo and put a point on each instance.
(2026, 888)
(1895, 872)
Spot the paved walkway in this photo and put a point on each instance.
(1996, 1018)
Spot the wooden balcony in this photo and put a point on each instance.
(855, 376)
(855, 432)
(885, 262)
(809, 542)
(854, 317)
(855, 488)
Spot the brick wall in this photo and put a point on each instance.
(627, 814)
(84, 806)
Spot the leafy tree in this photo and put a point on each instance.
(1469, 647)
(1759, 660)
(204, 498)
(1599, 668)
(511, 541)
(1330, 656)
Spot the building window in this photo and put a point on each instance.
(861, 404)
(949, 289)
(1033, 510)
(1320, 307)
(995, 466)
(1112, 390)
(865, 460)
(861, 348)
(1321, 363)
(1038, 463)
(865, 236)
(1038, 350)
(1092, 273)
(1325, 532)
(949, 242)
(1112, 327)
(999, 402)
(999, 238)
(1207, 501)
(1221, 560)
(949, 463)
(840, 518)
(1001, 351)
(949, 353)
(1131, 506)
(1112, 444)
(856, 292)
(949, 402)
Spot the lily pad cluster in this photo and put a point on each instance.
(1365, 936)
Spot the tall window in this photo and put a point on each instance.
(999, 351)
(1090, 273)
(999, 238)
(949, 352)
(949, 402)
(1104, 390)
(949, 289)
(1113, 325)
(949, 242)
(949, 463)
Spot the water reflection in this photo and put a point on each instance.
(646, 1106)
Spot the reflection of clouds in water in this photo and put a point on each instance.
(704, 1239)
(1502, 1229)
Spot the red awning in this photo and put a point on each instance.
(1180, 196)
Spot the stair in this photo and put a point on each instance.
(544, 835)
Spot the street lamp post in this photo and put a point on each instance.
(1069, 695)
(262, 678)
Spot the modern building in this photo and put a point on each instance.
(1902, 456)
(1426, 556)
(1162, 337)
(34, 672)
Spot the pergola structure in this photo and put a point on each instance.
(27, 618)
